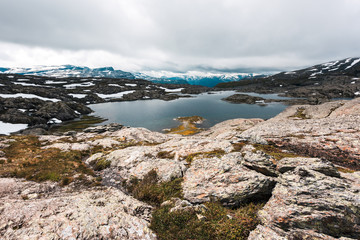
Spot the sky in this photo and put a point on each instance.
(179, 35)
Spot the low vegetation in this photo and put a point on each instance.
(237, 147)
(165, 154)
(26, 159)
(214, 153)
(300, 114)
(151, 191)
(218, 222)
(187, 126)
(274, 151)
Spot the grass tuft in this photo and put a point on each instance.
(274, 151)
(214, 153)
(219, 222)
(165, 154)
(26, 159)
(300, 114)
(153, 192)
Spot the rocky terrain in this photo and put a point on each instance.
(318, 84)
(41, 101)
(295, 176)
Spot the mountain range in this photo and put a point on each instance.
(348, 66)
(164, 77)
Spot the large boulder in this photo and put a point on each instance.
(224, 179)
(307, 203)
(43, 211)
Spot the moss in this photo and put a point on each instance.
(345, 170)
(102, 164)
(187, 126)
(274, 151)
(66, 181)
(165, 154)
(237, 147)
(28, 160)
(299, 136)
(151, 191)
(214, 153)
(300, 114)
(219, 222)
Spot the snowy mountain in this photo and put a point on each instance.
(164, 77)
(327, 80)
(348, 66)
(193, 77)
(66, 71)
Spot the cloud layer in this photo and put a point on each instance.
(211, 35)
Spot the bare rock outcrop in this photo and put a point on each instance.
(47, 212)
(330, 130)
(309, 204)
(224, 179)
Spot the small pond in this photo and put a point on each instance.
(157, 115)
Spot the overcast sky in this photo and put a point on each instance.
(179, 35)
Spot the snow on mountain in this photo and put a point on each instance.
(348, 66)
(193, 77)
(65, 71)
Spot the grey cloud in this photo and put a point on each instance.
(216, 35)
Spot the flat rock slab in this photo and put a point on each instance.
(105, 213)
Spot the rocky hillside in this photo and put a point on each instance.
(337, 79)
(295, 176)
(39, 101)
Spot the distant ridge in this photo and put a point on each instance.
(66, 71)
(165, 77)
(307, 76)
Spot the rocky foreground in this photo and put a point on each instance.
(303, 165)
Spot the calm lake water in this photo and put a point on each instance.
(157, 115)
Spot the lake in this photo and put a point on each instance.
(157, 114)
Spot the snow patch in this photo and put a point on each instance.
(353, 63)
(54, 121)
(7, 128)
(131, 84)
(54, 82)
(77, 95)
(172, 90)
(115, 95)
(75, 85)
(115, 85)
(30, 84)
(25, 95)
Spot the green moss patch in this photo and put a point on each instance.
(165, 154)
(151, 191)
(214, 153)
(274, 151)
(300, 114)
(26, 159)
(218, 223)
